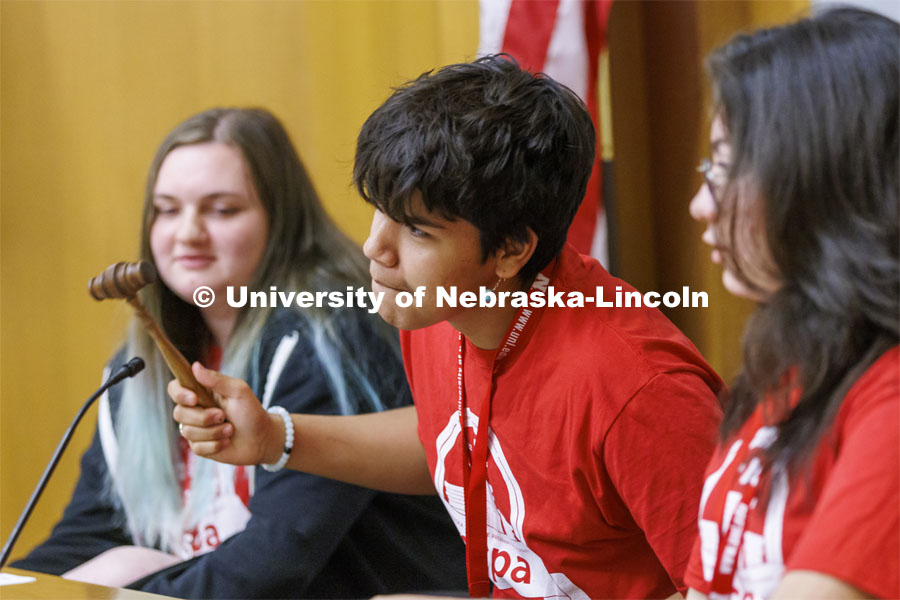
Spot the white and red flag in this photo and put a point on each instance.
(562, 38)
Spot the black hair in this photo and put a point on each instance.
(811, 111)
(486, 142)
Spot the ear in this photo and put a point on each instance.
(513, 255)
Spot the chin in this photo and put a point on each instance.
(738, 288)
(184, 296)
(406, 319)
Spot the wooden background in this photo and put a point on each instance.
(89, 88)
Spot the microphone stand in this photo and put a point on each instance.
(129, 369)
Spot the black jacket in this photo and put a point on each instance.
(307, 536)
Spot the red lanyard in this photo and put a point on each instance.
(475, 477)
(475, 485)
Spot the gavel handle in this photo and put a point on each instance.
(176, 361)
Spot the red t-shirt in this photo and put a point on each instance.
(600, 428)
(841, 519)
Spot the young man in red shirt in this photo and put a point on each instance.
(567, 443)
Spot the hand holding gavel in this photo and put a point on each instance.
(123, 280)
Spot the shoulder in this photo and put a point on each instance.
(875, 395)
(638, 348)
(346, 352)
(852, 533)
(286, 327)
(354, 326)
(880, 382)
(283, 322)
(642, 332)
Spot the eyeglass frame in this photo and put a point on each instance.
(715, 189)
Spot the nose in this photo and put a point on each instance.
(703, 207)
(379, 246)
(191, 228)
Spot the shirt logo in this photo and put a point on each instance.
(512, 564)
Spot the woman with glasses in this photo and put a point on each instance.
(800, 200)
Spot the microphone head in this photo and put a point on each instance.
(134, 366)
(129, 369)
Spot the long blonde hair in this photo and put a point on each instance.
(305, 251)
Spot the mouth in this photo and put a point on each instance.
(716, 250)
(194, 261)
(376, 283)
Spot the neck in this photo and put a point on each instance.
(485, 327)
(220, 323)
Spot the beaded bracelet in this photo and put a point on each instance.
(288, 439)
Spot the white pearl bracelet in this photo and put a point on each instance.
(288, 439)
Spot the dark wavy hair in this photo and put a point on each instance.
(486, 142)
(811, 110)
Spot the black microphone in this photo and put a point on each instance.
(129, 369)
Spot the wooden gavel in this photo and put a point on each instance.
(123, 280)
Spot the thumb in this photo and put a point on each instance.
(206, 377)
(223, 385)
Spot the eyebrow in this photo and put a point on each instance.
(211, 196)
(421, 221)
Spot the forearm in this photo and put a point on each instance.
(377, 450)
(800, 585)
(122, 565)
(381, 451)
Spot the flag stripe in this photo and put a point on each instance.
(529, 29)
(562, 38)
(492, 17)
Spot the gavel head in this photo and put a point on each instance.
(122, 280)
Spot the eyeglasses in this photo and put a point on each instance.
(716, 177)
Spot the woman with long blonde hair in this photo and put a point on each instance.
(228, 203)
